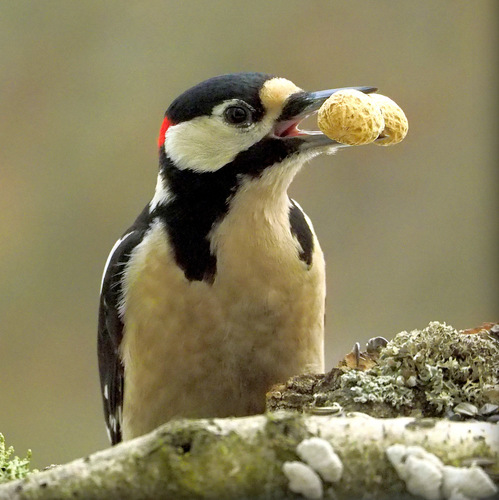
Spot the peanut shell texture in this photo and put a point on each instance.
(396, 124)
(354, 118)
(351, 117)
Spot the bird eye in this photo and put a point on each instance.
(237, 115)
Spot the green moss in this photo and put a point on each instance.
(284, 431)
(11, 466)
(365, 469)
(203, 466)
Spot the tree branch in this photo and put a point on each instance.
(243, 458)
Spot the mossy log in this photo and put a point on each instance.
(242, 458)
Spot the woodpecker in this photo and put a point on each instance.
(217, 290)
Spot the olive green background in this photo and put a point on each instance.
(410, 232)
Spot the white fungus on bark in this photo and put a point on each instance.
(425, 475)
(472, 482)
(303, 480)
(458, 496)
(423, 479)
(319, 454)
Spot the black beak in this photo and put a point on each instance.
(300, 105)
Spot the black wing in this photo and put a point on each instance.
(110, 329)
(302, 232)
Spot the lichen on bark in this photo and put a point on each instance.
(419, 373)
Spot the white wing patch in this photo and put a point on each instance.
(116, 245)
(162, 194)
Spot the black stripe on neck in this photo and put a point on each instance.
(201, 199)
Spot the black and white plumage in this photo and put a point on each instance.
(217, 290)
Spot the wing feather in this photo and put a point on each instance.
(111, 326)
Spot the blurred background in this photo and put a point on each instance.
(410, 233)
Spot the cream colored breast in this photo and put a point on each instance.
(195, 349)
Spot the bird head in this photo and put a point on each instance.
(249, 119)
(235, 127)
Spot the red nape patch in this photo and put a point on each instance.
(164, 127)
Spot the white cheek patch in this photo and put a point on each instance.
(200, 144)
(207, 143)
